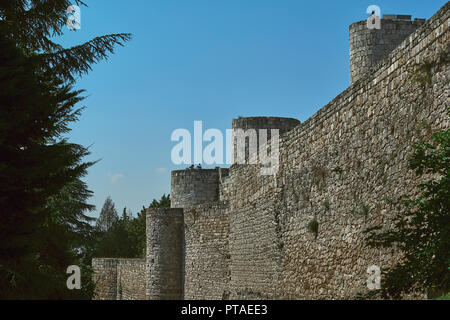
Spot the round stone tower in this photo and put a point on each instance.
(283, 124)
(194, 186)
(165, 254)
(370, 46)
(247, 123)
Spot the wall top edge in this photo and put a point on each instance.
(194, 170)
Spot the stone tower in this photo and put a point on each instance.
(247, 123)
(370, 46)
(195, 186)
(165, 254)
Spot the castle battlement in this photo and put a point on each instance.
(195, 186)
(283, 124)
(370, 46)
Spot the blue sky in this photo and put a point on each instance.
(208, 60)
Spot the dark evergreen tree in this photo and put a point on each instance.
(33, 25)
(43, 226)
(37, 166)
(164, 202)
(126, 238)
(137, 229)
(76, 243)
(118, 240)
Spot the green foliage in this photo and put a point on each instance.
(444, 297)
(388, 200)
(43, 201)
(337, 170)
(116, 241)
(136, 228)
(126, 238)
(164, 202)
(76, 245)
(119, 290)
(313, 227)
(108, 216)
(326, 205)
(34, 24)
(421, 225)
(363, 209)
(423, 74)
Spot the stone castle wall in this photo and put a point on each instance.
(341, 167)
(105, 278)
(165, 254)
(119, 279)
(207, 255)
(131, 279)
(369, 46)
(163, 268)
(246, 237)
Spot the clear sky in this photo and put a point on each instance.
(208, 60)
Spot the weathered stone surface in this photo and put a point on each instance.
(119, 279)
(207, 272)
(245, 235)
(195, 186)
(369, 46)
(105, 278)
(165, 247)
(351, 155)
(131, 279)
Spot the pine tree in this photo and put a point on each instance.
(126, 237)
(43, 226)
(32, 25)
(138, 228)
(36, 165)
(117, 238)
(108, 216)
(164, 202)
